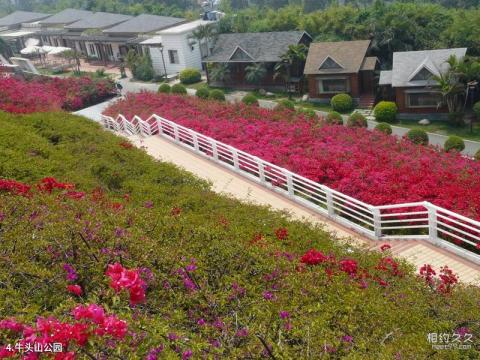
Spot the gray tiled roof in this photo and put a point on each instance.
(385, 77)
(407, 63)
(66, 16)
(19, 17)
(99, 20)
(350, 55)
(261, 47)
(144, 23)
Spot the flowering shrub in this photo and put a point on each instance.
(219, 278)
(43, 94)
(369, 166)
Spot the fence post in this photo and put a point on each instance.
(432, 223)
(236, 165)
(290, 184)
(261, 171)
(329, 196)
(195, 142)
(160, 127)
(175, 133)
(377, 222)
(214, 151)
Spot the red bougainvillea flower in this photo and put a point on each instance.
(14, 187)
(313, 257)
(49, 183)
(75, 195)
(125, 279)
(75, 289)
(385, 247)
(447, 280)
(176, 211)
(349, 266)
(427, 272)
(281, 233)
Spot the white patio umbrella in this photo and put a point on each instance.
(58, 50)
(29, 50)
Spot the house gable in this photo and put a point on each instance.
(422, 75)
(330, 64)
(240, 55)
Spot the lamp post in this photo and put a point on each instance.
(163, 61)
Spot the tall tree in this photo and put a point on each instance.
(293, 57)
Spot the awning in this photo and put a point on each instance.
(16, 34)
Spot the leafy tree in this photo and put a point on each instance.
(219, 71)
(255, 73)
(295, 55)
(204, 33)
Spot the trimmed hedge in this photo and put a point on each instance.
(384, 127)
(286, 104)
(385, 111)
(476, 109)
(454, 143)
(334, 118)
(357, 120)
(250, 99)
(202, 92)
(190, 76)
(179, 89)
(216, 94)
(417, 136)
(164, 88)
(341, 102)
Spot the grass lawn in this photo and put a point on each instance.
(444, 128)
(200, 84)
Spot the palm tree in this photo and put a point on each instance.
(255, 73)
(219, 71)
(204, 32)
(295, 55)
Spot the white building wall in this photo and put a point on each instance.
(188, 55)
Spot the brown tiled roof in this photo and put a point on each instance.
(369, 63)
(349, 55)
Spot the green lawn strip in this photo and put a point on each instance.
(443, 128)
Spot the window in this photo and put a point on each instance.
(423, 74)
(109, 50)
(423, 99)
(173, 56)
(330, 64)
(91, 48)
(334, 85)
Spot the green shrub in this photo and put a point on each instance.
(357, 120)
(250, 99)
(477, 155)
(308, 113)
(454, 143)
(216, 94)
(342, 102)
(384, 127)
(179, 89)
(239, 273)
(334, 118)
(476, 109)
(285, 104)
(164, 88)
(190, 76)
(385, 111)
(202, 92)
(417, 136)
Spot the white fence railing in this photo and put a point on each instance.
(420, 220)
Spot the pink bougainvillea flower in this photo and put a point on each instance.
(349, 266)
(127, 279)
(281, 233)
(385, 247)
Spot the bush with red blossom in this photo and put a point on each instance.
(370, 166)
(41, 94)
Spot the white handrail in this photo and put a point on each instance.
(396, 221)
